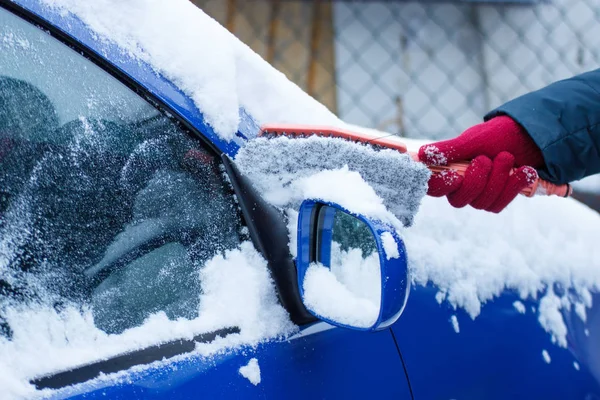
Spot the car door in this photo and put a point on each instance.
(113, 217)
(503, 353)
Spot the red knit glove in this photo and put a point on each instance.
(495, 147)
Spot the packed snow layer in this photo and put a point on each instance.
(359, 273)
(546, 356)
(519, 306)
(216, 70)
(251, 371)
(236, 291)
(326, 296)
(540, 247)
(455, 325)
(350, 291)
(390, 247)
(287, 171)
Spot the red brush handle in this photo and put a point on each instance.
(539, 187)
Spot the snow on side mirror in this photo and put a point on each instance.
(352, 271)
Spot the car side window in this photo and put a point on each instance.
(104, 201)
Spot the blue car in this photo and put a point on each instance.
(119, 204)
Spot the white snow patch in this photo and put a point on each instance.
(349, 292)
(576, 365)
(455, 325)
(251, 371)
(346, 188)
(533, 245)
(361, 275)
(520, 307)
(207, 62)
(546, 356)
(551, 318)
(440, 296)
(325, 295)
(292, 226)
(237, 290)
(389, 245)
(581, 311)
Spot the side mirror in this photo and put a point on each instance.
(352, 271)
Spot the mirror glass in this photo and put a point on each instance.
(344, 284)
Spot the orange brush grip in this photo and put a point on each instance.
(292, 130)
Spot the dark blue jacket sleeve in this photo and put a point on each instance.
(564, 121)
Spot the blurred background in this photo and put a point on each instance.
(427, 69)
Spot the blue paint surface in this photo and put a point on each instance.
(332, 364)
(496, 356)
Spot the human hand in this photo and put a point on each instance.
(493, 148)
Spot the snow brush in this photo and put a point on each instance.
(281, 168)
(538, 187)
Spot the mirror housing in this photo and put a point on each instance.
(315, 241)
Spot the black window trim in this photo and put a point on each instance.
(125, 361)
(269, 233)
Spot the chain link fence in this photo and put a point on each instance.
(417, 69)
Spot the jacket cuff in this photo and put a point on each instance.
(538, 133)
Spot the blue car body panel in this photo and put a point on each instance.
(332, 364)
(501, 349)
(498, 355)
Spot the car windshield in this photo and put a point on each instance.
(105, 203)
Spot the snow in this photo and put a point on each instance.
(454, 321)
(532, 246)
(580, 311)
(519, 306)
(576, 365)
(360, 274)
(236, 291)
(251, 371)
(346, 188)
(350, 291)
(385, 185)
(546, 356)
(326, 296)
(389, 245)
(210, 65)
(292, 226)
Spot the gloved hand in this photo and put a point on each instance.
(495, 147)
